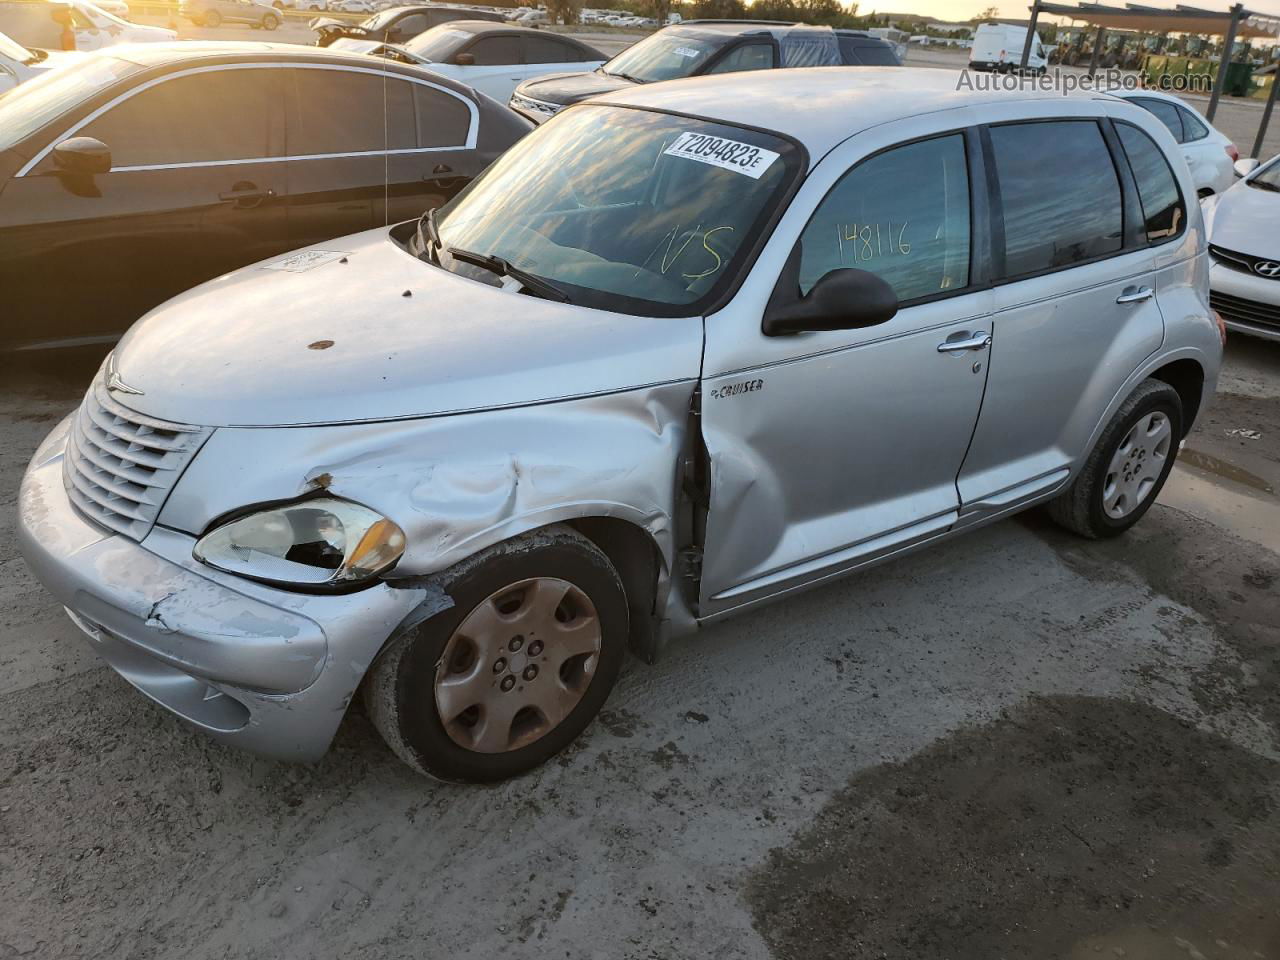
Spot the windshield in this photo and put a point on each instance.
(16, 51)
(88, 7)
(663, 56)
(626, 210)
(438, 43)
(380, 20)
(1268, 178)
(29, 106)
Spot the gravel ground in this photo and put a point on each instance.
(1017, 744)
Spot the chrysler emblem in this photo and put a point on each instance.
(1267, 268)
(114, 383)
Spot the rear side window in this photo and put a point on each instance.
(200, 118)
(861, 53)
(1192, 128)
(496, 51)
(443, 121)
(548, 50)
(1163, 210)
(903, 215)
(1166, 113)
(342, 111)
(1060, 193)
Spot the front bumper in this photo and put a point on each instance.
(1248, 303)
(267, 670)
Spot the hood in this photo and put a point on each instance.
(308, 339)
(57, 58)
(1244, 219)
(330, 25)
(569, 88)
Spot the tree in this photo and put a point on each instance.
(660, 9)
(564, 11)
(719, 10)
(991, 13)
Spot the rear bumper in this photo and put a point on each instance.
(266, 670)
(1248, 303)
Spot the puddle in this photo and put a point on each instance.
(1212, 464)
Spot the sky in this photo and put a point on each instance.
(964, 9)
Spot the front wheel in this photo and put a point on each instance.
(212, 18)
(1128, 466)
(515, 670)
(270, 22)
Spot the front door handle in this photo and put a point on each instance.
(246, 195)
(979, 341)
(1139, 295)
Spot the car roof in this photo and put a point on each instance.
(190, 52)
(820, 106)
(490, 26)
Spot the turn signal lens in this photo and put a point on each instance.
(1222, 326)
(1232, 152)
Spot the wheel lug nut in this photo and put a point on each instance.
(516, 643)
(530, 672)
(507, 683)
(499, 665)
(535, 648)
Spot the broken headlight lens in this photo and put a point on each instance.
(323, 542)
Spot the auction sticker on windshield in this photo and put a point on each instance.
(719, 152)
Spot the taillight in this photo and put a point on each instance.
(1222, 326)
(1232, 152)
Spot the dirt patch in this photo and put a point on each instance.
(1070, 827)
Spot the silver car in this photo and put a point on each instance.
(681, 351)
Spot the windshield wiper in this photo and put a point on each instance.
(504, 268)
(622, 76)
(428, 220)
(1264, 185)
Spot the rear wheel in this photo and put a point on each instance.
(1128, 466)
(212, 18)
(515, 670)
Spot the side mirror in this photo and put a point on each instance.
(465, 59)
(1246, 166)
(844, 299)
(83, 155)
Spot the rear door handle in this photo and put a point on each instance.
(242, 192)
(1139, 295)
(979, 341)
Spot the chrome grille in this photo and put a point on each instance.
(1245, 311)
(120, 465)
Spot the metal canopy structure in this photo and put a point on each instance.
(1230, 25)
(1179, 19)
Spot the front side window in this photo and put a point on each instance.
(627, 210)
(663, 56)
(29, 106)
(1267, 178)
(162, 124)
(438, 44)
(343, 111)
(903, 215)
(1061, 194)
(410, 26)
(748, 56)
(1163, 211)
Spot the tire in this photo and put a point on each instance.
(212, 18)
(502, 587)
(270, 21)
(1083, 507)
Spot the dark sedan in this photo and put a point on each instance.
(396, 24)
(137, 173)
(697, 47)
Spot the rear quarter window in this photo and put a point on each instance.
(1163, 210)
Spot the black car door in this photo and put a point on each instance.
(447, 128)
(196, 188)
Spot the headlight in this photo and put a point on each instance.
(323, 542)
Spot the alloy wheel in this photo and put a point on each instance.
(1137, 465)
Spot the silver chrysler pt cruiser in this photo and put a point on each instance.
(685, 349)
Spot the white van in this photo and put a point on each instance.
(998, 47)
